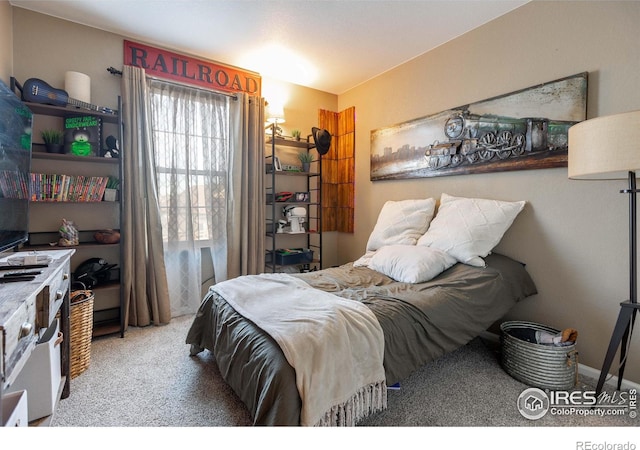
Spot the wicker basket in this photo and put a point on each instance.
(81, 330)
(538, 365)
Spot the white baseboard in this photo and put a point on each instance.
(583, 369)
(612, 381)
(489, 336)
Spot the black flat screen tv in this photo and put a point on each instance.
(15, 168)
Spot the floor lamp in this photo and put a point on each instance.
(608, 148)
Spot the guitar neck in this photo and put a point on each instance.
(89, 106)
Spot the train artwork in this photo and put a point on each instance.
(474, 138)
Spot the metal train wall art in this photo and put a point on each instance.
(476, 138)
(522, 130)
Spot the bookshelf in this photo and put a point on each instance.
(300, 251)
(71, 186)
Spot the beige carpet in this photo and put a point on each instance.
(148, 379)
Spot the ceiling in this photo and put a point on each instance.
(330, 45)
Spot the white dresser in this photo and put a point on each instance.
(28, 308)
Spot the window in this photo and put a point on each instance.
(191, 140)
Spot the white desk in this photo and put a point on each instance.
(27, 308)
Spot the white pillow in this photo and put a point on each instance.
(401, 222)
(469, 228)
(364, 260)
(411, 263)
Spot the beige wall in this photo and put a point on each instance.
(573, 235)
(46, 47)
(6, 41)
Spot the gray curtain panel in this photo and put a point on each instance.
(245, 227)
(146, 294)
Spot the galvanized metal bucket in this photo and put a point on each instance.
(538, 365)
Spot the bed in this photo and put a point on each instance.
(420, 318)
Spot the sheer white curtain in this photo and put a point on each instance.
(192, 140)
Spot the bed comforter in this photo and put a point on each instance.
(420, 322)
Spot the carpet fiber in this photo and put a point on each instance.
(148, 379)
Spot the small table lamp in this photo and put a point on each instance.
(608, 148)
(275, 116)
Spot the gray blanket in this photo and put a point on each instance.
(421, 322)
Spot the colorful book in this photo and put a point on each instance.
(82, 135)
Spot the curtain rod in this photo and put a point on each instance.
(114, 71)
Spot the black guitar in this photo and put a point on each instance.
(38, 91)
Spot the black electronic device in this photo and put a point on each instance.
(15, 168)
(16, 279)
(22, 274)
(23, 266)
(92, 272)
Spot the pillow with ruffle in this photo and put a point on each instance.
(469, 228)
(411, 263)
(401, 222)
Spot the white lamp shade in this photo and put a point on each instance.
(275, 114)
(605, 148)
